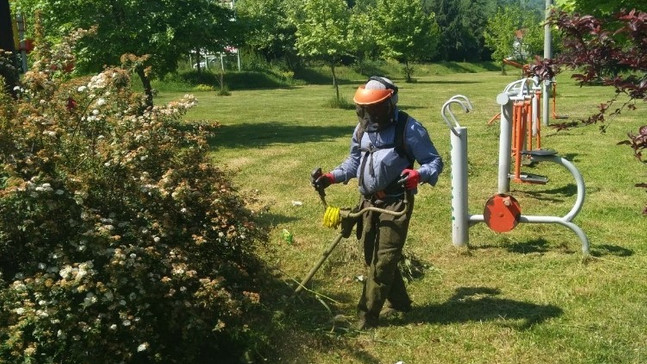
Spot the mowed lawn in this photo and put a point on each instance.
(526, 296)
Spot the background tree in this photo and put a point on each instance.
(363, 33)
(164, 30)
(270, 32)
(514, 34)
(462, 24)
(473, 22)
(405, 32)
(599, 7)
(322, 33)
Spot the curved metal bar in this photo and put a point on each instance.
(581, 188)
(464, 100)
(559, 220)
(445, 109)
(516, 89)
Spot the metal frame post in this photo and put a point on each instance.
(460, 214)
(505, 142)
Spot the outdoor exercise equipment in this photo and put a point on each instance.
(526, 126)
(526, 96)
(540, 89)
(344, 217)
(555, 115)
(502, 212)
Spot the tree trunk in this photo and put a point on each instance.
(408, 70)
(197, 60)
(8, 70)
(334, 80)
(148, 89)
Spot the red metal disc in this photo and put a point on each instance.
(502, 213)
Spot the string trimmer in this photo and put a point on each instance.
(344, 217)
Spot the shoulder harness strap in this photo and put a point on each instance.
(399, 144)
(399, 139)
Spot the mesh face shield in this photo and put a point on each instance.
(375, 103)
(375, 117)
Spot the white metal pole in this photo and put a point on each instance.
(505, 141)
(535, 106)
(460, 214)
(548, 53)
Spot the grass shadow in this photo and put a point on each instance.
(314, 77)
(478, 304)
(410, 107)
(313, 318)
(531, 246)
(448, 82)
(271, 220)
(538, 245)
(570, 156)
(553, 195)
(607, 249)
(236, 81)
(261, 134)
(456, 67)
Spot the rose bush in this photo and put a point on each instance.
(119, 240)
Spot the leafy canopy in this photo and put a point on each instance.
(165, 30)
(405, 32)
(513, 34)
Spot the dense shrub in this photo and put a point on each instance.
(119, 240)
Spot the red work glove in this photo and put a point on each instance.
(410, 178)
(323, 181)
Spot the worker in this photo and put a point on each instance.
(384, 146)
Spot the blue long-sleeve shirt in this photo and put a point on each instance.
(385, 165)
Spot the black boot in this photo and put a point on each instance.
(367, 321)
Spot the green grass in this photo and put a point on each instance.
(522, 297)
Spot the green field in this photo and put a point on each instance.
(527, 296)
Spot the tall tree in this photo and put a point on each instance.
(514, 35)
(406, 32)
(270, 30)
(462, 25)
(599, 8)
(322, 33)
(165, 30)
(449, 18)
(362, 33)
(474, 18)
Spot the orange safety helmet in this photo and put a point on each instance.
(365, 96)
(376, 90)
